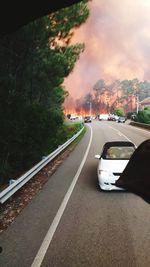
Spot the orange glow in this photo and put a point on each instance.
(83, 113)
(117, 47)
(104, 102)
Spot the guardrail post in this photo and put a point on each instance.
(15, 185)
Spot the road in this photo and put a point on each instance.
(71, 223)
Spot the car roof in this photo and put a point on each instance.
(107, 145)
(118, 143)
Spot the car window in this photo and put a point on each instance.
(121, 152)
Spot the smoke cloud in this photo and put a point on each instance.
(117, 40)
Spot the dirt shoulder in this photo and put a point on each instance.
(12, 207)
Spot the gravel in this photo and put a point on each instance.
(13, 206)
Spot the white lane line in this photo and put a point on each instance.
(48, 238)
(121, 134)
(140, 129)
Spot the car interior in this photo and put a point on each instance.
(119, 152)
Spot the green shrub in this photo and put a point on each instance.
(73, 129)
(143, 116)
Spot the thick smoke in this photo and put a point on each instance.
(117, 39)
(105, 98)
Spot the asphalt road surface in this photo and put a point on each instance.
(72, 223)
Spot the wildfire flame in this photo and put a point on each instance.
(116, 38)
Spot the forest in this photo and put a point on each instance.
(34, 62)
(106, 97)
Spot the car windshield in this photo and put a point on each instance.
(119, 152)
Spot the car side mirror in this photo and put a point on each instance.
(97, 156)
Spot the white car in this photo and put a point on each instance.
(112, 161)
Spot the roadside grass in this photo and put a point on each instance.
(67, 131)
(73, 128)
(13, 206)
(78, 139)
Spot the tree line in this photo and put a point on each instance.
(106, 98)
(34, 62)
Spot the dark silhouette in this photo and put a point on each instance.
(20, 13)
(136, 176)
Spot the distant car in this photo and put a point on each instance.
(112, 161)
(122, 119)
(133, 117)
(87, 119)
(103, 117)
(72, 117)
(111, 118)
(116, 117)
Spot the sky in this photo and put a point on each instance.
(117, 45)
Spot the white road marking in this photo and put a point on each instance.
(48, 238)
(138, 128)
(121, 134)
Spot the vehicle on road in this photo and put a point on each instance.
(87, 119)
(122, 119)
(72, 117)
(111, 118)
(112, 161)
(103, 117)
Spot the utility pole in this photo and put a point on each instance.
(90, 109)
(89, 102)
(137, 104)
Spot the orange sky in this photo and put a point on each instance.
(117, 40)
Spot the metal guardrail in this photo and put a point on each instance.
(141, 125)
(17, 184)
